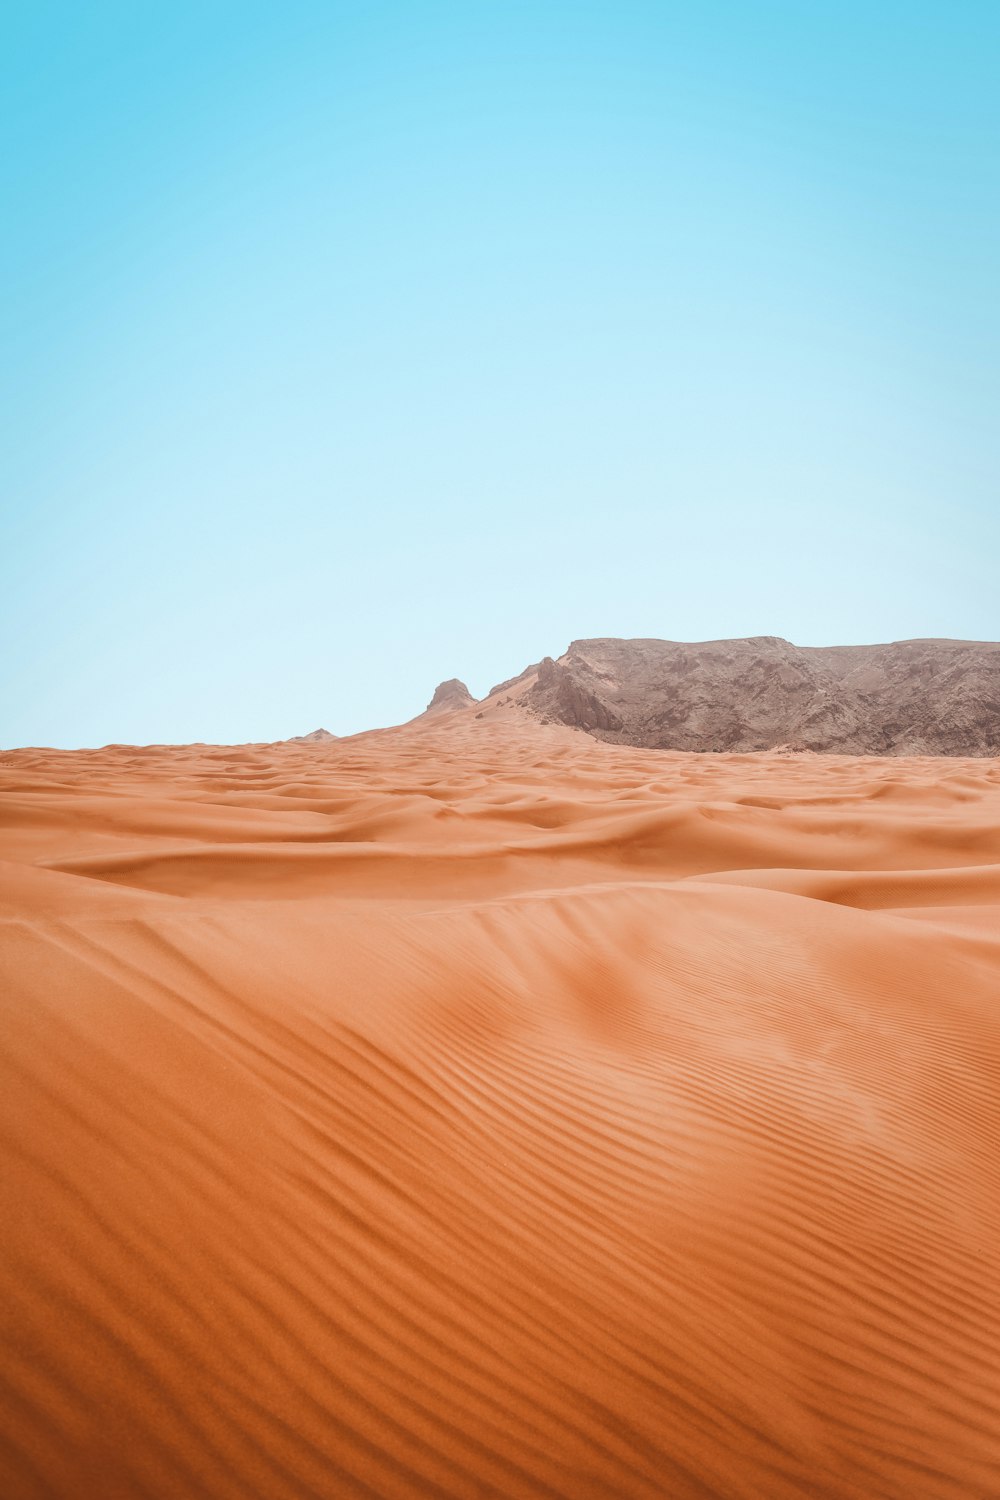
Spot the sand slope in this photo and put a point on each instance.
(475, 1109)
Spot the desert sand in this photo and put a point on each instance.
(476, 1109)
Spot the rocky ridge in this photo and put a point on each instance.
(918, 697)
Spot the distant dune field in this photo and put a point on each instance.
(478, 1110)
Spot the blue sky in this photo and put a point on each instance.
(353, 346)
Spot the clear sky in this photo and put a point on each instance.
(348, 347)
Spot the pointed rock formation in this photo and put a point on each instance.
(314, 737)
(450, 695)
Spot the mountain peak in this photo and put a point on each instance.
(314, 737)
(451, 695)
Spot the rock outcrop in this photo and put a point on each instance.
(565, 696)
(919, 697)
(450, 695)
(314, 737)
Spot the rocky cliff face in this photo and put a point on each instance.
(922, 697)
(567, 696)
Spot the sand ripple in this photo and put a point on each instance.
(479, 1111)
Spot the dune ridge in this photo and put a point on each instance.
(477, 1109)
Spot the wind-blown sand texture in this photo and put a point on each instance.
(475, 1109)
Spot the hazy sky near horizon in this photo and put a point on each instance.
(349, 347)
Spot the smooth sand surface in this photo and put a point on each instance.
(476, 1110)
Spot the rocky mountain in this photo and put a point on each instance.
(920, 697)
(314, 737)
(450, 695)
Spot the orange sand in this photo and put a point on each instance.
(473, 1109)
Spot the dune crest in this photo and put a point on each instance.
(476, 1109)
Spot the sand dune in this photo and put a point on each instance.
(475, 1109)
